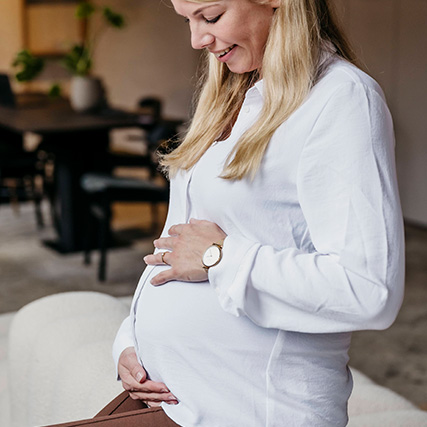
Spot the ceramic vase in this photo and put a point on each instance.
(86, 93)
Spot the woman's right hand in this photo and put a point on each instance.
(134, 380)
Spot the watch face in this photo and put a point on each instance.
(212, 256)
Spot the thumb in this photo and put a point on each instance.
(138, 372)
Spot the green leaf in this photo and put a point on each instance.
(55, 91)
(30, 66)
(78, 60)
(84, 10)
(116, 20)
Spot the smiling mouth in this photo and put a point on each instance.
(224, 52)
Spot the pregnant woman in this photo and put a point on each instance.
(284, 232)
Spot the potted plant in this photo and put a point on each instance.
(86, 91)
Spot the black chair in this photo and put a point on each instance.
(7, 97)
(101, 190)
(150, 107)
(154, 128)
(20, 171)
(21, 178)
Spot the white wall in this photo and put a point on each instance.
(391, 39)
(151, 56)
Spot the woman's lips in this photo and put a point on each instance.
(223, 55)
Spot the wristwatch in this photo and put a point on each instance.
(212, 255)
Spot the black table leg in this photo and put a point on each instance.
(75, 155)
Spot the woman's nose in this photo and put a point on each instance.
(201, 39)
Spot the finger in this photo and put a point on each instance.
(176, 229)
(156, 259)
(163, 277)
(153, 387)
(130, 384)
(156, 404)
(128, 381)
(148, 386)
(168, 402)
(138, 373)
(164, 243)
(153, 397)
(153, 404)
(149, 403)
(131, 372)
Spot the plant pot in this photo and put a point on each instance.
(86, 93)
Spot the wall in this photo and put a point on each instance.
(10, 34)
(390, 37)
(152, 55)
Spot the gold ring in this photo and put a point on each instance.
(163, 258)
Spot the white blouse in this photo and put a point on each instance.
(314, 250)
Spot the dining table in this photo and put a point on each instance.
(78, 142)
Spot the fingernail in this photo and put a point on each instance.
(164, 390)
(144, 259)
(139, 377)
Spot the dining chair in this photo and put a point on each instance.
(102, 190)
(20, 170)
(21, 178)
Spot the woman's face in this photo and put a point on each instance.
(235, 31)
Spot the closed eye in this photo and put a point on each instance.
(212, 21)
(208, 21)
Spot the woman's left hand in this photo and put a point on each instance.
(184, 248)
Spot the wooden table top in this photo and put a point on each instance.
(56, 116)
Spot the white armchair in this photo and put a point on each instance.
(60, 367)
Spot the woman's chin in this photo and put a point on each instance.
(239, 70)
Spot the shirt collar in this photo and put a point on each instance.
(260, 86)
(256, 90)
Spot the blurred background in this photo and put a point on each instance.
(81, 200)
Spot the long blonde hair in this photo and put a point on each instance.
(299, 31)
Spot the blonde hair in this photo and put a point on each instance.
(299, 31)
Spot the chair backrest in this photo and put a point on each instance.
(154, 105)
(7, 97)
(165, 130)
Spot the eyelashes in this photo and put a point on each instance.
(212, 21)
(208, 21)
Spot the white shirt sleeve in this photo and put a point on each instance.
(123, 340)
(353, 278)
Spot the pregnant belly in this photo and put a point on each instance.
(180, 324)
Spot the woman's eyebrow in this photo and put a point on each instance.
(201, 9)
